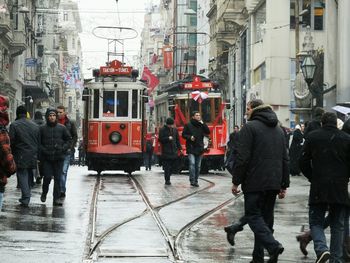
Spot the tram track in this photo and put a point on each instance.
(173, 242)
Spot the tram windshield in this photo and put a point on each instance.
(121, 104)
(209, 108)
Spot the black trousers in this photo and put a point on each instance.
(168, 165)
(259, 213)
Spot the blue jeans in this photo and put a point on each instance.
(336, 218)
(259, 213)
(25, 181)
(63, 181)
(194, 167)
(1, 200)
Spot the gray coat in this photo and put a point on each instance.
(25, 141)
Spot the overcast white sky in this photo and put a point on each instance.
(93, 13)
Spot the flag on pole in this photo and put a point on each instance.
(152, 80)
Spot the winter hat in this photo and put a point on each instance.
(169, 121)
(50, 111)
(21, 111)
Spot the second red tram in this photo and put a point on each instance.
(178, 100)
(114, 123)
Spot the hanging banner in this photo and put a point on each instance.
(168, 57)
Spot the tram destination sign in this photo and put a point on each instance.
(115, 68)
(197, 84)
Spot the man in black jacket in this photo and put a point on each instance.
(262, 169)
(194, 132)
(325, 162)
(169, 138)
(24, 136)
(55, 142)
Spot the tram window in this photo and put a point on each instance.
(108, 104)
(194, 106)
(217, 107)
(122, 103)
(134, 103)
(96, 109)
(206, 110)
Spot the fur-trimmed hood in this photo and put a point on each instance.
(265, 114)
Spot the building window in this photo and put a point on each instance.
(65, 16)
(260, 20)
(259, 73)
(311, 13)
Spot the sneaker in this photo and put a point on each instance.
(323, 257)
(231, 231)
(43, 198)
(275, 254)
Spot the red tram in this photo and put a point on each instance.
(179, 99)
(114, 121)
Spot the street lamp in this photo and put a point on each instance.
(308, 68)
(30, 99)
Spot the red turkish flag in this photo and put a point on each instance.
(152, 80)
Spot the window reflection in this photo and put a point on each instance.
(108, 104)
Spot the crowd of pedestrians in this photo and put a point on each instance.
(36, 149)
(320, 152)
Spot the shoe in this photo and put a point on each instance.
(168, 183)
(24, 205)
(57, 203)
(304, 239)
(196, 185)
(38, 180)
(43, 198)
(231, 231)
(274, 255)
(323, 257)
(63, 195)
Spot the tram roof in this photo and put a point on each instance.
(179, 84)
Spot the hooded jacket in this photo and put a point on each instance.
(325, 161)
(55, 139)
(262, 161)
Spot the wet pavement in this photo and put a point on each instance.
(43, 233)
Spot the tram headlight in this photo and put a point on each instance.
(115, 137)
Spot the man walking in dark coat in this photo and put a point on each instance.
(325, 162)
(72, 129)
(262, 169)
(24, 136)
(55, 142)
(194, 132)
(169, 138)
